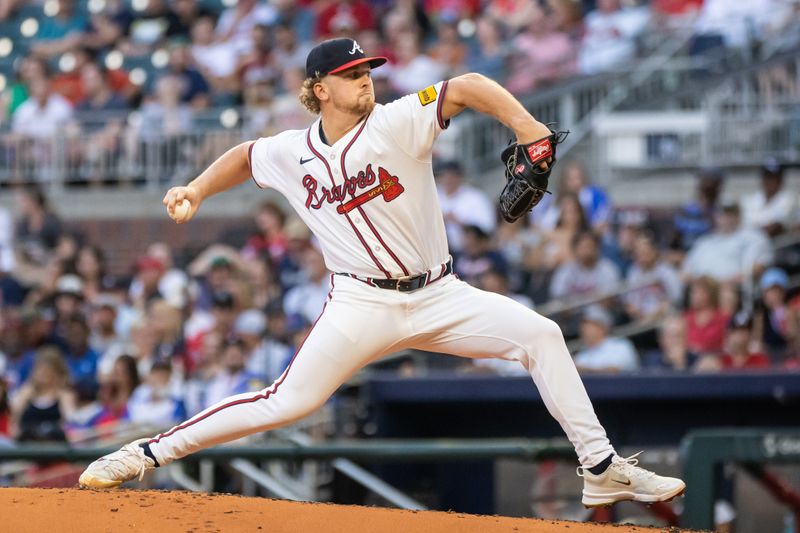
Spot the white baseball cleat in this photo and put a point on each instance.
(111, 470)
(623, 480)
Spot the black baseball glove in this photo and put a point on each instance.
(526, 180)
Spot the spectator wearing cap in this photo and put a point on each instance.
(216, 269)
(600, 352)
(739, 353)
(308, 298)
(462, 204)
(696, 218)
(660, 284)
(773, 208)
(478, 255)
(173, 284)
(705, 321)
(776, 321)
(68, 299)
(145, 286)
(250, 327)
(588, 273)
(730, 253)
(219, 323)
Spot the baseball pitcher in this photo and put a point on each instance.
(361, 178)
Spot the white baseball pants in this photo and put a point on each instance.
(361, 324)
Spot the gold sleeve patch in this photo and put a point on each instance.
(427, 95)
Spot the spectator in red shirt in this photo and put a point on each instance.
(739, 346)
(705, 321)
(270, 241)
(452, 8)
(353, 14)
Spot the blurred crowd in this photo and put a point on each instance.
(82, 348)
(75, 67)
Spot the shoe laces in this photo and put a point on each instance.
(122, 462)
(624, 465)
(627, 466)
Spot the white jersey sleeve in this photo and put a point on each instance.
(415, 121)
(267, 159)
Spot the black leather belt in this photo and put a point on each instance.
(409, 283)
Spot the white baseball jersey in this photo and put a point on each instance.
(370, 198)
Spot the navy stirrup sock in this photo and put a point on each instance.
(602, 466)
(149, 453)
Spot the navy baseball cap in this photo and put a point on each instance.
(336, 55)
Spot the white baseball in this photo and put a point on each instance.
(181, 210)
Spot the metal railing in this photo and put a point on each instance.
(112, 148)
(342, 454)
(371, 451)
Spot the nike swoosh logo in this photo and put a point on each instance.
(622, 482)
(304, 161)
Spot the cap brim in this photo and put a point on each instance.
(374, 62)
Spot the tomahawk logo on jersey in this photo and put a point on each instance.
(371, 186)
(388, 186)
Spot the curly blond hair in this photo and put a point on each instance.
(307, 96)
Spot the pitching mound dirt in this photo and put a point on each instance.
(73, 510)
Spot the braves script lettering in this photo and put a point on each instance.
(319, 194)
